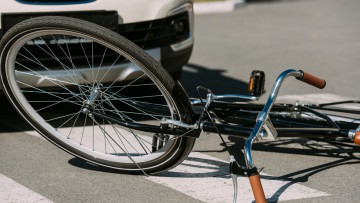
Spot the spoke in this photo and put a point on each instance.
(152, 104)
(119, 98)
(141, 141)
(133, 106)
(123, 114)
(66, 68)
(36, 62)
(62, 99)
(135, 85)
(57, 59)
(47, 92)
(110, 86)
(49, 79)
(82, 47)
(59, 102)
(127, 154)
(102, 59)
(67, 47)
(128, 85)
(68, 57)
(36, 74)
(72, 127)
(111, 67)
(139, 97)
(93, 128)
(103, 121)
(142, 144)
(136, 113)
(145, 113)
(117, 134)
(64, 116)
(117, 112)
(135, 135)
(49, 101)
(92, 61)
(106, 139)
(83, 131)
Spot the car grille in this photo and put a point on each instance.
(157, 33)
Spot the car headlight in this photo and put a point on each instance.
(179, 26)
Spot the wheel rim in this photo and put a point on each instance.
(73, 126)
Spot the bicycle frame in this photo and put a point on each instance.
(263, 127)
(241, 127)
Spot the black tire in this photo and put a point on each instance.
(53, 81)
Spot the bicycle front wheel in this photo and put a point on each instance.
(59, 72)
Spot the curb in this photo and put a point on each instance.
(217, 7)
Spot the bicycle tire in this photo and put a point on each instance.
(29, 51)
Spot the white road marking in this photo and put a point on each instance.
(11, 191)
(207, 178)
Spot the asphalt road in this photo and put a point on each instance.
(318, 36)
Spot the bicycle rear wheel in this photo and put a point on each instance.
(58, 72)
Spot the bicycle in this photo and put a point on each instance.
(141, 121)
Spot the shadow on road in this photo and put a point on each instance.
(214, 79)
(10, 121)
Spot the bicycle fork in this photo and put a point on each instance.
(264, 129)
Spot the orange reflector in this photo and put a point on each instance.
(357, 138)
(251, 85)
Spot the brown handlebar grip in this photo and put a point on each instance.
(357, 138)
(257, 188)
(312, 80)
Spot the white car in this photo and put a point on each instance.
(164, 28)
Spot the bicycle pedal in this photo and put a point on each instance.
(158, 142)
(257, 83)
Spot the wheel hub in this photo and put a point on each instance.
(89, 104)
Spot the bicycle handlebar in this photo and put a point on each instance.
(263, 121)
(263, 115)
(311, 80)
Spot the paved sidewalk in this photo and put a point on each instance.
(217, 7)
